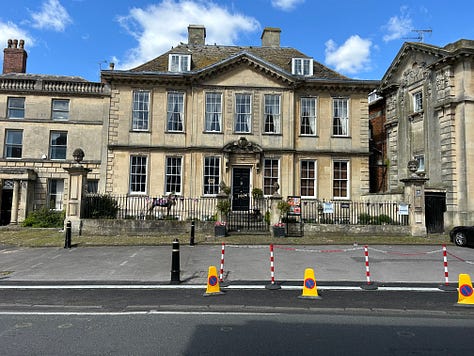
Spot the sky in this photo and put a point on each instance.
(357, 38)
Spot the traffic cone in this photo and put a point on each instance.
(465, 293)
(212, 282)
(310, 290)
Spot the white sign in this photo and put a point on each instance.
(328, 208)
(403, 209)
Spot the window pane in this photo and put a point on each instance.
(308, 116)
(211, 175)
(242, 112)
(55, 194)
(175, 111)
(173, 175)
(58, 145)
(270, 175)
(340, 117)
(16, 108)
(213, 111)
(60, 110)
(140, 110)
(272, 114)
(138, 174)
(308, 178)
(340, 179)
(13, 143)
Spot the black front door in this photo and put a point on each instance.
(435, 206)
(240, 189)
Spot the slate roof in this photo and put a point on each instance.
(205, 56)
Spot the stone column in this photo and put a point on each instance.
(275, 213)
(414, 193)
(15, 202)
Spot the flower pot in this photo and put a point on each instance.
(279, 231)
(220, 231)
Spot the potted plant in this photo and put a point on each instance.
(279, 229)
(223, 207)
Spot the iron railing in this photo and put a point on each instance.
(204, 209)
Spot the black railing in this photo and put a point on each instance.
(256, 218)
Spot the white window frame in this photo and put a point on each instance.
(174, 174)
(59, 112)
(213, 112)
(138, 174)
(175, 111)
(418, 101)
(337, 179)
(141, 110)
(243, 118)
(269, 177)
(178, 63)
(211, 173)
(272, 113)
(341, 115)
(313, 179)
(302, 66)
(15, 105)
(11, 146)
(310, 117)
(55, 194)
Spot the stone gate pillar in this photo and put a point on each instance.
(414, 193)
(77, 189)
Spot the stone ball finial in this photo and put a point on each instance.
(78, 155)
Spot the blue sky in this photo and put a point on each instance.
(358, 38)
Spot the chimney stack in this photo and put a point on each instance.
(14, 57)
(271, 37)
(196, 35)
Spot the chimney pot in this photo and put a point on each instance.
(14, 58)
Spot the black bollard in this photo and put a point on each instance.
(67, 238)
(191, 240)
(175, 263)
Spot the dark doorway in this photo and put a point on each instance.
(6, 212)
(435, 206)
(240, 189)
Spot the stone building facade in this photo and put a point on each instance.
(200, 116)
(43, 119)
(428, 94)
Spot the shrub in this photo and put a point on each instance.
(101, 207)
(365, 219)
(45, 217)
(383, 219)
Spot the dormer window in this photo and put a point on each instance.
(302, 66)
(179, 63)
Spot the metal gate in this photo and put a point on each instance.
(250, 220)
(435, 206)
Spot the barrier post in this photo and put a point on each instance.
(272, 284)
(368, 285)
(446, 287)
(191, 239)
(175, 263)
(67, 237)
(221, 272)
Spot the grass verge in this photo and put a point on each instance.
(32, 237)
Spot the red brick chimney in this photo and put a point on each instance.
(14, 57)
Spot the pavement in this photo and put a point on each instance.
(418, 265)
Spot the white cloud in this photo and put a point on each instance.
(159, 27)
(52, 16)
(352, 57)
(398, 26)
(9, 30)
(286, 5)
